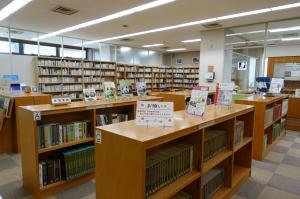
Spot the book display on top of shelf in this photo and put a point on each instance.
(197, 103)
(126, 88)
(109, 89)
(89, 94)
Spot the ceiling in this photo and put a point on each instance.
(37, 16)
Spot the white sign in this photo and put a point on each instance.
(242, 65)
(61, 100)
(276, 85)
(155, 113)
(224, 93)
(89, 94)
(198, 100)
(297, 93)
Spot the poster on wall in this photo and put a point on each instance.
(198, 100)
(179, 61)
(109, 90)
(153, 113)
(242, 65)
(224, 92)
(195, 60)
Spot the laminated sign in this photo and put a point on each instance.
(151, 113)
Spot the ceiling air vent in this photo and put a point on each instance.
(65, 10)
(212, 25)
(126, 40)
(165, 47)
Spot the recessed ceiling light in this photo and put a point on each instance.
(12, 7)
(285, 29)
(152, 45)
(244, 33)
(176, 49)
(290, 39)
(191, 40)
(193, 23)
(109, 17)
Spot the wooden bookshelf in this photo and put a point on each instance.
(76, 111)
(10, 131)
(128, 144)
(261, 127)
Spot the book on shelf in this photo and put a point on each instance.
(66, 164)
(126, 87)
(276, 130)
(109, 90)
(213, 181)
(284, 108)
(239, 132)
(55, 134)
(215, 141)
(105, 119)
(283, 124)
(277, 111)
(166, 165)
(269, 114)
(182, 195)
(141, 88)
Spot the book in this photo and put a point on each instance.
(126, 88)
(239, 132)
(197, 103)
(89, 94)
(105, 119)
(213, 181)
(215, 141)
(224, 92)
(141, 88)
(109, 90)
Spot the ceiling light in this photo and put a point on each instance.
(152, 45)
(285, 29)
(12, 7)
(124, 49)
(244, 33)
(109, 17)
(193, 23)
(290, 39)
(176, 49)
(191, 40)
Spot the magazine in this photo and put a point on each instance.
(126, 88)
(109, 90)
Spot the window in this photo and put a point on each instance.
(73, 53)
(48, 51)
(4, 47)
(30, 49)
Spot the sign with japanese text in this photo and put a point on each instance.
(152, 113)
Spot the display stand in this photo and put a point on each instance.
(263, 138)
(122, 154)
(49, 114)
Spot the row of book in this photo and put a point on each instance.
(276, 131)
(54, 134)
(269, 115)
(62, 87)
(105, 119)
(213, 181)
(277, 111)
(238, 133)
(215, 141)
(166, 165)
(67, 165)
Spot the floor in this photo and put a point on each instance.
(277, 177)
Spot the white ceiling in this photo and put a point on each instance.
(38, 16)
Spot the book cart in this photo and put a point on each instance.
(32, 117)
(270, 122)
(9, 128)
(124, 151)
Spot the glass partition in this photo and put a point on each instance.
(4, 40)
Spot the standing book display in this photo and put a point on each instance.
(224, 93)
(109, 90)
(197, 103)
(126, 88)
(141, 88)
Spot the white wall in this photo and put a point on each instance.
(283, 51)
(212, 54)
(21, 65)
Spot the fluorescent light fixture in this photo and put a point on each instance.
(193, 23)
(152, 45)
(176, 49)
(285, 29)
(290, 39)
(12, 7)
(124, 49)
(191, 40)
(253, 41)
(244, 33)
(120, 14)
(288, 6)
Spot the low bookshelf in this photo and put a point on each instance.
(270, 121)
(57, 142)
(164, 162)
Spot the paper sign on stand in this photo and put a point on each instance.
(224, 93)
(198, 100)
(152, 113)
(276, 85)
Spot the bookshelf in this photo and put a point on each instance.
(67, 76)
(10, 130)
(133, 147)
(39, 146)
(270, 125)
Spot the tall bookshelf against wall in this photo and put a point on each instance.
(58, 144)
(206, 158)
(67, 76)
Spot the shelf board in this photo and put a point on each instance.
(221, 193)
(170, 190)
(64, 145)
(244, 142)
(268, 125)
(216, 160)
(239, 174)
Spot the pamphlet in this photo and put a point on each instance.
(109, 90)
(152, 113)
(276, 85)
(198, 100)
(141, 88)
(224, 93)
